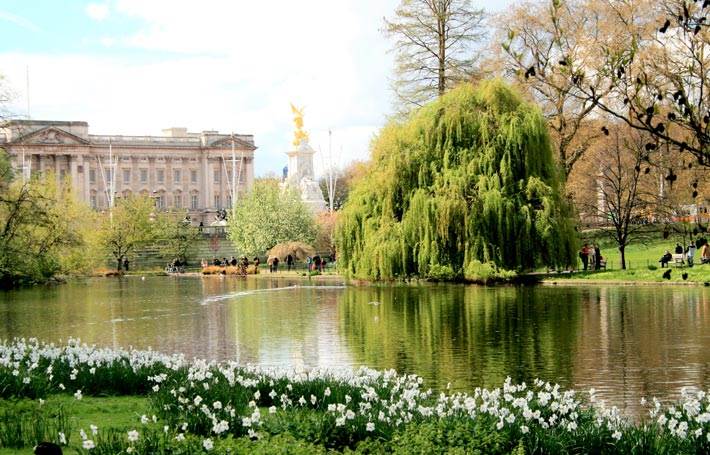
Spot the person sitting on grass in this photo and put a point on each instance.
(665, 259)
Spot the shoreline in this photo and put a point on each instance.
(531, 279)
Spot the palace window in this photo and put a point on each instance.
(126, 176)
(92, 175)
(144, 175)
(160, 201)
(93, 201)
(109, 176)
(217, 201)
(217, 175)
(193, 176)
(177, 175)
(160, 175)
(177, 199)
(194, 201)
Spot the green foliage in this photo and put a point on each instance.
(28, 423)
(42, 229)
(268, 216)
(441, 273)
(469, 177)
(125, 228)
(486, 272)
(177, 235)
(449, 436)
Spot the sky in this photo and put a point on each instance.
(138, 66)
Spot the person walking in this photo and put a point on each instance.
(270, 261)
(308, 263)
(690, 254)
(584, 256)
(316, 263)
(597, 257)
(289, 262)
(276, 264)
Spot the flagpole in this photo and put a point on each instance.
(234, 175)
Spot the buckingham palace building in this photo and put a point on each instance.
(180, 170)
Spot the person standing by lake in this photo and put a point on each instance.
(289, 262)
(597, 257)
(584, 256)
(690, 253)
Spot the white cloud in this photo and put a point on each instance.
(97, 11)
(232, 66)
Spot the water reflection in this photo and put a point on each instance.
(627, 342)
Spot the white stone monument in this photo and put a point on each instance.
(300, 167)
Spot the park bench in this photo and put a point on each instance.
(678, 260)
(602, 264)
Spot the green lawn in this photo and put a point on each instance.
(119, 413)
(640, 257)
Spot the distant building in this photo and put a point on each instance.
(180, 170)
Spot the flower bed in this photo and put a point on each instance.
(220, 407)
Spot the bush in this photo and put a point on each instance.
(487, 272)
(652, 267)
(441, 273)
(450, 436)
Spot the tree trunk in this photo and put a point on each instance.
(119, 263)
(622, 251)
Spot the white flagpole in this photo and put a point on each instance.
(234, 175)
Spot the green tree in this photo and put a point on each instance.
(177, 235)
(125, 228)
(41, 225)
(434, 46)
(267, 216)
(469, 178)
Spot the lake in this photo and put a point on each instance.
(626, 342)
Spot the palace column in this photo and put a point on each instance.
(57, 170)
(87, 184)
(71, 159)
(250, 172)
(206, 180)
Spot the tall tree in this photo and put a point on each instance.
(434, 46)
(176, 235)
(126, 228)
(40, 224)
(469, 178)
(618, 193)
(267, 216)
(659, 74)
(544, 45)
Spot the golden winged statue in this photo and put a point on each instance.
(299, 135)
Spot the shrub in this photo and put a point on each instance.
(441, 273)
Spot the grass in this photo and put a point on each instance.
(641, 264)
(110, 413)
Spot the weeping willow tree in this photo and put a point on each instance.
(469, 181)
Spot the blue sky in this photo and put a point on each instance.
(138, 66)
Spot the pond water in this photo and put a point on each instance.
(627, 342)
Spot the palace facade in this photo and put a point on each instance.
(180, 170)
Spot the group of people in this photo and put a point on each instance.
(688, 253)
(316, 263)
(175, 266)
(591, 257)
(232, 261)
